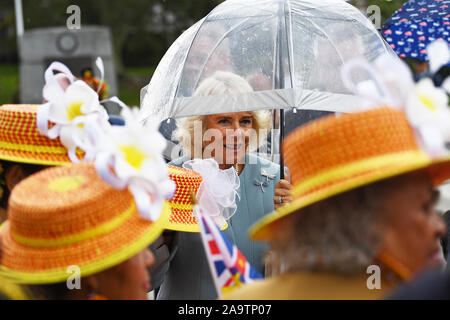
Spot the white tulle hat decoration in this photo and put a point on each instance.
(218, 191)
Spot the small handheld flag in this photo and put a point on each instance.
(229, 268)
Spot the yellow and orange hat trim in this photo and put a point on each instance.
(182, 209)
(20, 140)
(182, 217)
(333, 155)
(68, 216)
(13, 291)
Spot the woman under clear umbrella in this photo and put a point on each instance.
(228, 138)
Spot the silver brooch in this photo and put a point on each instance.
(261, 184)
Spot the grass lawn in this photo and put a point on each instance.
(141, 71)
(9, 82)
(130, 96)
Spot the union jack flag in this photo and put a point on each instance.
(229, 268)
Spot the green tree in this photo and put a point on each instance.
(131, 22)
(8, 42)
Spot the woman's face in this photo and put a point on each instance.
(227, 136)
(412, 226)
(126, 281)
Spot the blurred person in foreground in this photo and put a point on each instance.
(23, 152)
(355, 205)
(46, 239)
(27, 148)
(82, 231)
(362, 219)
(431, 284)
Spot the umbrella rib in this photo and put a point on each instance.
(340, 19)
(227, 19)
(189, 50)
(244, 5)
(253, 25)
(289, 43)
(185, 58)
(329, 39)
(217, 44)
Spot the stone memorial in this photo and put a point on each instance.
(78, 49)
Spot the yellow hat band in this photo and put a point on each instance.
(352, 169)
(32, 148)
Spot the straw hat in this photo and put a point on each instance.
(336, 154)
(65, 216)
(182, 218)
(214, 189)
(20, 140)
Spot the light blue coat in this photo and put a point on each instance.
(188, 275)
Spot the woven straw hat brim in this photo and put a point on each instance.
(91, 256)
(183, 227)
(182, 218)
(20, 140)
(190, 225)
(35, 158)
(439, 171)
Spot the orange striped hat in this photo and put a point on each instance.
(68, 216)
(20, 140)
(182, 217)
(335, 154)
(182, 210)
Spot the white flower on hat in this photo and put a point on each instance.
(65, 108)
(427, 110)
(131, 157)
(390, 83)
(79, 99)
(438, 54)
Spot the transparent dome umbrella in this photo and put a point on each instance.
(290, 51)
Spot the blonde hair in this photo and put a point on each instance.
(222, 82)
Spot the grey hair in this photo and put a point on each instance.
(340, 234)
(222, 82)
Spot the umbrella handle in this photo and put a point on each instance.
(281, 141)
